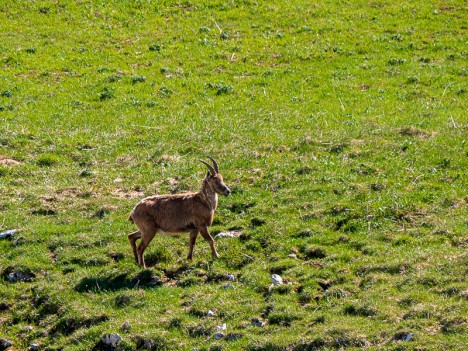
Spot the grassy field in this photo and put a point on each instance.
(340, 126)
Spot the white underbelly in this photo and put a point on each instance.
(161, 232)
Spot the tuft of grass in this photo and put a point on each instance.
(47, 160)
(6, 93)
(220, 88)
(155, 47)
(363, 311)
(137, 79)
(107, 94)
(313, 252)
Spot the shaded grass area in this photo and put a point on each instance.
(339, 127)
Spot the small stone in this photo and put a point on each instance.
(231, 277)
(231, 234)
(293, 256)
(34, 347)
(210, 313)
(257, 322)
(20, 276)
(218, 336)
(276, 279)
(8, 234)
(403, 336)
(221, 327)
(111, 340)
(4, 344)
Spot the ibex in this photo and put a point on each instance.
(178, 213)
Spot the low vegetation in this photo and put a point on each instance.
(342, 131)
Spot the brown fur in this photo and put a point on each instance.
(178, 213)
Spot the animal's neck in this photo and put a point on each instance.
(208, 196)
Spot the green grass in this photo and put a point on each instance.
(340, 127)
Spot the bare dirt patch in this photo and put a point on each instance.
(68, 192)
(416, 133)
(9, 161)
(125, 160)
(121, 193)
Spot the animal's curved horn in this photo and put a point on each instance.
(215, 164)
(212, 171)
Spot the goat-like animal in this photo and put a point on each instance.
(178, 213)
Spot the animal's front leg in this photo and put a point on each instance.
(207, 236)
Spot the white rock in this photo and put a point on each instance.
(293, 256)
(34, 347)
(276, 279)
(408, 337)
(210, 313)
(231, 277)
(231, 234)
(111, 339)
(221, 327)
(8, 234)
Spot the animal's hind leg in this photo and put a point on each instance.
(147, 234)
(193, 238)
(133, 238)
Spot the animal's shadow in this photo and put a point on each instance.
(112, 282)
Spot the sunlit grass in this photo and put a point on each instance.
(340, 129)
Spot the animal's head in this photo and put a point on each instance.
(215, 179)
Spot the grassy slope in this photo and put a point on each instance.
(339, 126)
